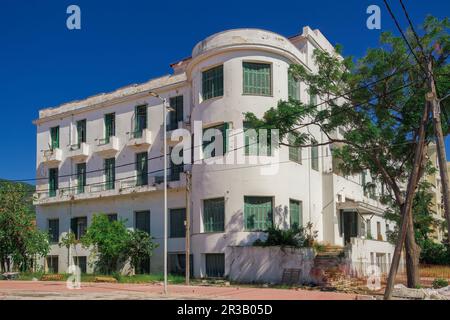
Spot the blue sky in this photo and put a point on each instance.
(43, 64)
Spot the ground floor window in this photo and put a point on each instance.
(177, 264)
(81, 262)
(215, 265)
(52, 264)
(258, 213)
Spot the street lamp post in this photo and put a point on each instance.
(165, 108)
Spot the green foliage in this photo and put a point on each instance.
(113, 244)
(19, 237)
(434, 253)
(294, 237)
(439, 283)
(140, 245)
(69, 239)
(109, 240)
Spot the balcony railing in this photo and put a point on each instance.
(140, 138)
(52, 156)
(79, 151)
(108, 146)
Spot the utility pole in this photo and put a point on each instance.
(440, 144)
(188, 228)
(406, 208)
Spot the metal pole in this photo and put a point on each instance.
(165, 193)
(188, 228)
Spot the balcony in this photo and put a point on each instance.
(52, 156)
(108, 147)
(140, 139)
(174, 181)
(79, 151)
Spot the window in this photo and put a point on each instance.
(112, 217)
(78, 226)
(110, 126)
(253, 141)
(293, 87)
(81, 177)
(214, 140)
(110, 173)
(54, 138)
(257, 78)
(312, 99)
(369, 229)
(315, 158)
(175, 169)
(258, 213)
(177, 264)
(80, 262)
(142, 169)
(215, 265)
(52, 264)
(212, 83)
(142, 221)
(295, 214)
(140, 120)
(214, 215)
(81, 132)
(53, 230)
(52, 181)
(177, 219)
(176, 115)
(379, 235)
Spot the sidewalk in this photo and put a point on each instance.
(57, 290)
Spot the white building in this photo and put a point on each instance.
(91, 158)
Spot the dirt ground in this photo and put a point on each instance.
(57, 290)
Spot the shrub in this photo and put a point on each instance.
(294, 237)
(434, 253)
(439, 283)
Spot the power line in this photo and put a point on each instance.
(190, 148)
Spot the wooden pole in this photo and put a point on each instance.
(440, 144)
(407, 205)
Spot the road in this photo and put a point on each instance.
(57, 290)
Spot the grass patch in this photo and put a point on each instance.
(139, 278)
(435, 271)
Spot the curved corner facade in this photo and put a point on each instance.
(104, 155)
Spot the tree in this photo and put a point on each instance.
(140, 246)
(108, 240)
(20, 240)
(377, 106)
(114, 245)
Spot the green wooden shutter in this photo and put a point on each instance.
(257, 78)
(295, 214)
(81, 131)
(258, 213)
(53, 181)
(53, 230)
(54, 137)
(142, 169)
(74, 226)
(212, 83)
(110, 174)
(315, 158)
(177, 219)
(142, 221)
(140, 119)
(81, 177)
(110, 126)
(293, 87)
(214, 215)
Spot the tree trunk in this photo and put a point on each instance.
(412, 251)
